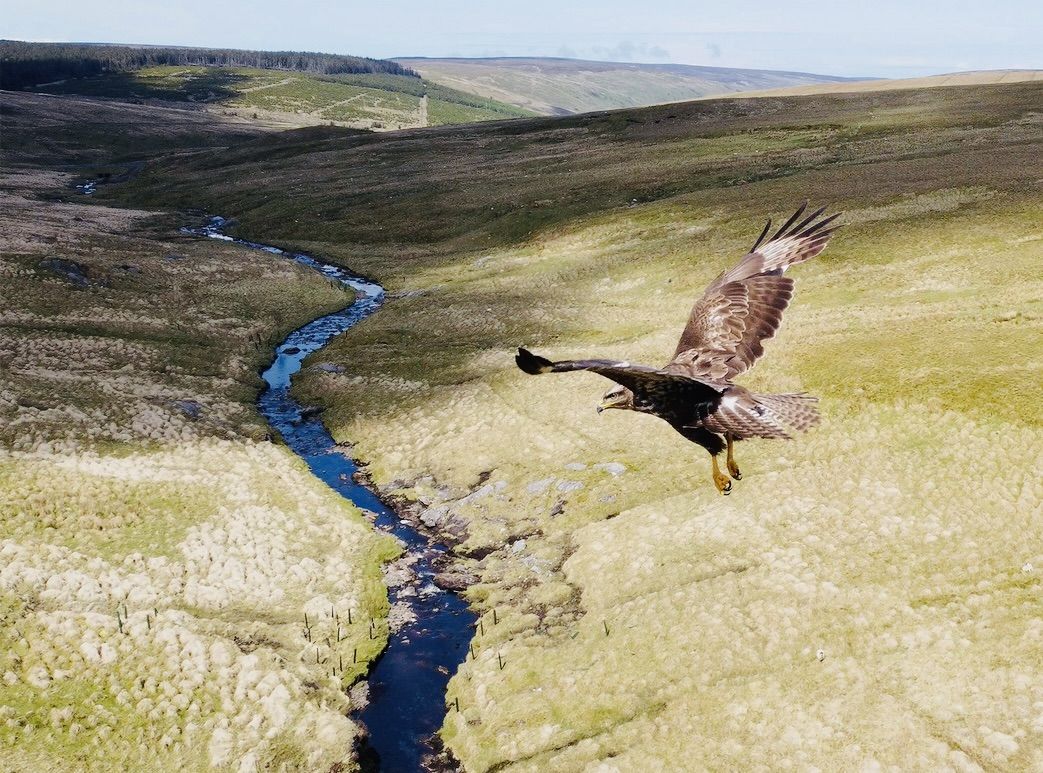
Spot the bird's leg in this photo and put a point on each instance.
(720, 480)
(733, 468)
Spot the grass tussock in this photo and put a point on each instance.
(864, 596)
(174, 590)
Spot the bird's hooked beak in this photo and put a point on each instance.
(612, 401)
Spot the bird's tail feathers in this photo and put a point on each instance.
(796, 411)
(531, 363)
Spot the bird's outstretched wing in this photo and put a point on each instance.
(743, 306)
(640, 379)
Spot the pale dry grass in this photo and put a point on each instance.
(174, 591)
(180, 641)
(863, 599)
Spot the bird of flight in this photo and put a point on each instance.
(695, 393)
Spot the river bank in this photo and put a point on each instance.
(428, 627)
(867, 597)
(165, 571)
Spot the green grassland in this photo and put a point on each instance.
(369, 101)
(867, 596)
(158, 554)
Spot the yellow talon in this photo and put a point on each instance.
(720, 480)
(733, 468)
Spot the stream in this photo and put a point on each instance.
(407, 683)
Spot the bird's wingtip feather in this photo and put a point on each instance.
(531, 363)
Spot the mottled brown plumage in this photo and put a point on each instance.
(724, 337)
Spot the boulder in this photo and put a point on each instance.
(454, 580)
(67, 269)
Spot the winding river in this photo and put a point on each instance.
(408, 682)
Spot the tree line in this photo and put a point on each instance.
(23, 65)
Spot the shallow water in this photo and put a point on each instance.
(408, 682)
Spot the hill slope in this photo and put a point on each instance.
(867, 597)
(158, 553)
(560, 86)
(37, 131)
(365, 101)
(284, 88)
(975, 78)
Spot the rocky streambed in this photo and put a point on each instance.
(430, 625)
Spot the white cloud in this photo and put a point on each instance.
(629, 51)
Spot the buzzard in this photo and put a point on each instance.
(695, 392)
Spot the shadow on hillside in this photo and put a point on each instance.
(193, 85)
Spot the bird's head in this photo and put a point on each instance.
(617, 397)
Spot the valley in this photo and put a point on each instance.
(865, 597)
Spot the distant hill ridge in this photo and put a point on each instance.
(969, 78)
(25, 64)
(559, 86)
(288, 89)
(566, 64)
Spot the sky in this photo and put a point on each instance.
(884, 38)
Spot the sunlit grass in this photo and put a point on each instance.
(175, 591)
(370, 101)
(862, 598)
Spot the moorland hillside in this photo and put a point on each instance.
(553, 86)
(867, 595)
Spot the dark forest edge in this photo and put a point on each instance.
(24, 64)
